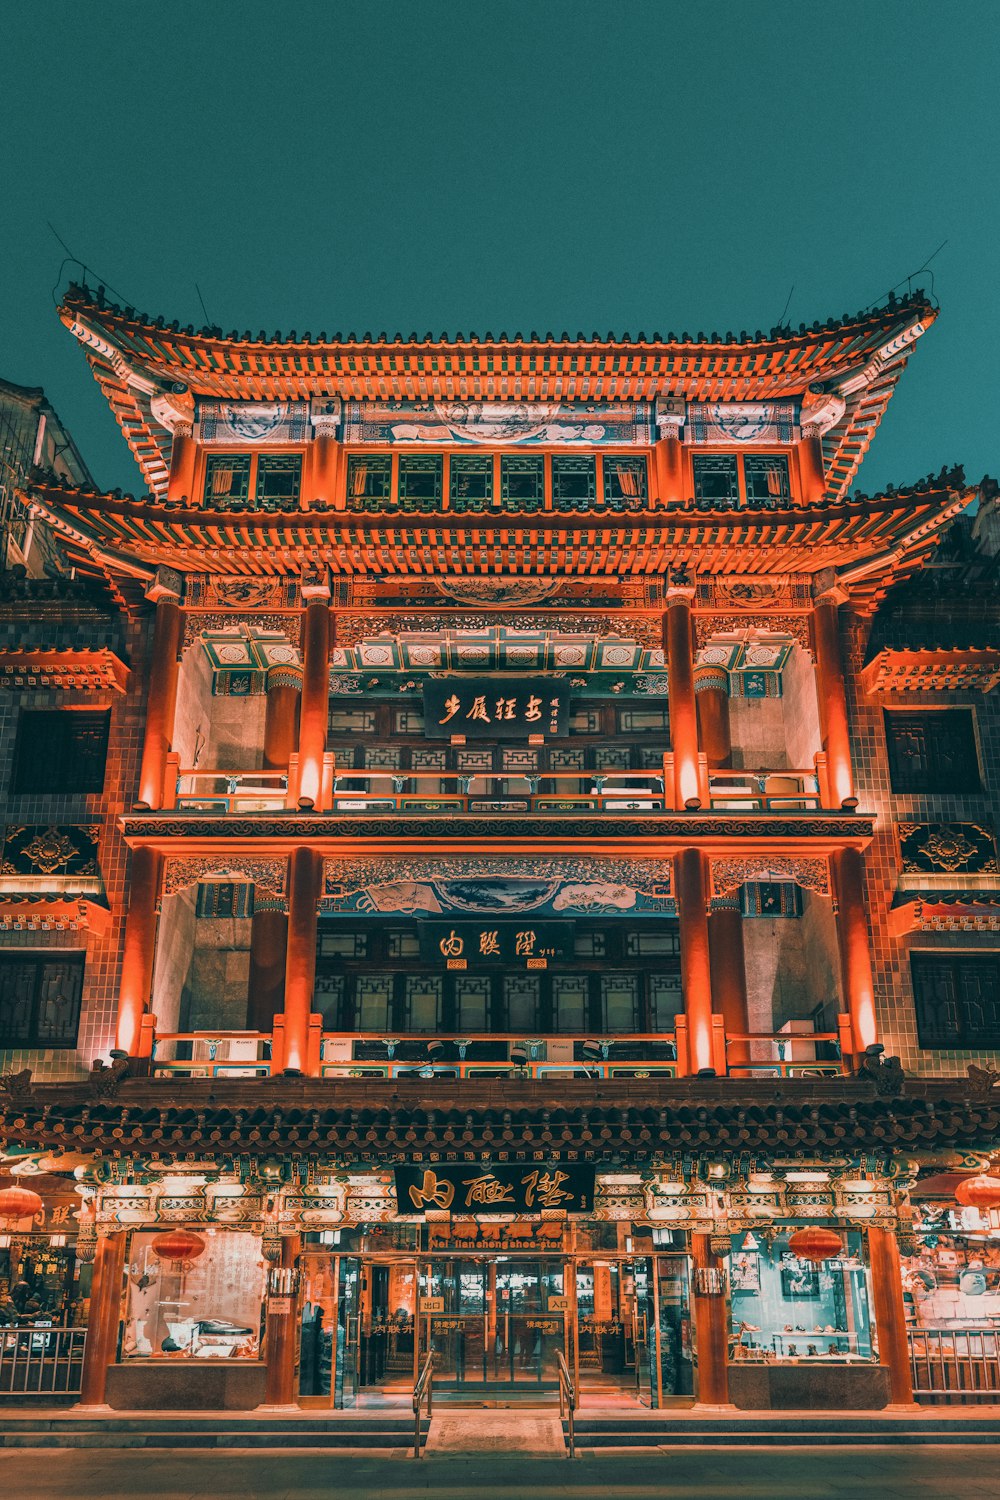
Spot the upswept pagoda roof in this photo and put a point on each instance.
(369, 1121)
(875, 540)
(135, 357)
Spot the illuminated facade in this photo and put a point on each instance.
(525, 828)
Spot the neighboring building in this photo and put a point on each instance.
(500, 795)
(31, 436)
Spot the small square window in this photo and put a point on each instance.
(522, 478)
(369, 476)
(279, 477)
(932, 753)
(624, 479)
(766, 477)
(40, 999)
(471, 478)
(227, 480)
(61, 751)
(420, 477)
(716, 478)
(957, 999)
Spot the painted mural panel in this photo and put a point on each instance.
(499, 424)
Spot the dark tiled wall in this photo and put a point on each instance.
(103, 954)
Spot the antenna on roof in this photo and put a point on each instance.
(781, 321)
(75, 260)
(908, 279)
(208, 321)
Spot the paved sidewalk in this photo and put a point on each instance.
(919, 1473)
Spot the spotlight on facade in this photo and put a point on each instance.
(435, 1050)
(519, 1054)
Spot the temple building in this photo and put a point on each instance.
(499, 862)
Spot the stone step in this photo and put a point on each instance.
(222, 1430)
(752, 1428)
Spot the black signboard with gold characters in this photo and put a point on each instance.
(522, 1188)
(496, 708)
(469, 945)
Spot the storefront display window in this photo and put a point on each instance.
(205, 1305)
(785, 1309)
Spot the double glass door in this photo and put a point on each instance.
(494, 1322)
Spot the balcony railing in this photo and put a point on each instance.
(41, 1361)
(451, 793)
(211, 1054)
(494, 1054)
(783, 1054)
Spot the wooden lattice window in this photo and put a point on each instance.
(471, 478)
(522, 478)
(369, 476)
(932, 753)
(624, 478)
(40, 999)
(420, 477)
(717, 478)
(279, 477)
(61, 751)
(766, 478)
(227, 480)
(574, 478)
(957, 999)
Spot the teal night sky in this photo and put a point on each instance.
(550, 165)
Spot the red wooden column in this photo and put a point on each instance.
(279, 1335)
(678, 646)
(711, 687)
(691, 890)
(812, 475)
(890, 1314)
(138, 950)
(322, 481)
(729, 973)
(168, 639)
(268, 957)
(281, 716)
(710, 1323)
(832, 695)
(855, 946)
(183, 464)
(102, 1323)
(316, 647)
(305, 877)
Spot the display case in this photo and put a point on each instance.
(206, 1305)
(787, 1310)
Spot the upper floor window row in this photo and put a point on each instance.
(726, 481)
(252, 481)
(484, 481)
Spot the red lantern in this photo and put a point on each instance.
(815, 1244)
(18, 1202)
(981, 1191)
(178, 1245)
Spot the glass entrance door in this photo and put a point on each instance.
(494, 1322)
(633, 1327)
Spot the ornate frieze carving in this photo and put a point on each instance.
(813, 874)
(267, 875)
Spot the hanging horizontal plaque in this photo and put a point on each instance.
(496, 708)
(491, 942)
(520, 1189)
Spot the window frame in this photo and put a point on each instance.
(41, 958)
(52, 785)
(944, 784)
(955, 960)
